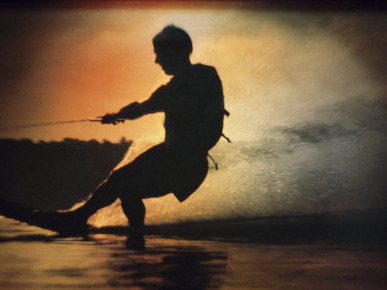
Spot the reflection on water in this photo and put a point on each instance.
(163, 266)
(104, 262)
(36, 259)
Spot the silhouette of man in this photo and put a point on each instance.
(192, 102)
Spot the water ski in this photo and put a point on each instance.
(61, 223)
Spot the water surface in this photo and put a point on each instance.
(33, 258)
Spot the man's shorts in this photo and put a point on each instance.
(160, 171)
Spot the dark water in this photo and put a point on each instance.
(32, 258)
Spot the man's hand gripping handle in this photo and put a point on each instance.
(111, 119)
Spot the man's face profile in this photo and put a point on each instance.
(166, 61)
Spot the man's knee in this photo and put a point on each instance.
(115, 176)
(128, 197)
(121, 183)
(134, 210)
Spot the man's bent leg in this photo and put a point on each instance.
(75, 222)
(119, 181)
(134, 210)
(103, 196)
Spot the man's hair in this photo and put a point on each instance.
(173, 39)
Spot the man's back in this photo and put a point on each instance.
(194, 107)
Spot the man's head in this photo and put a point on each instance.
(173, 47)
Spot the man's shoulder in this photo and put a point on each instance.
(204, 68)
(205, 71)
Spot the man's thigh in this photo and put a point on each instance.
(147, 176)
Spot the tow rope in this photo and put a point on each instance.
(10, 128)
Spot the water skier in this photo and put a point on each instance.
(193, 104)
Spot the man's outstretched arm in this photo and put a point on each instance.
(136, 110)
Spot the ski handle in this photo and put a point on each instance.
(100, 119)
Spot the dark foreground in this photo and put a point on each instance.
(344, 250)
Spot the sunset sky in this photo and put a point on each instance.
(68, 63)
